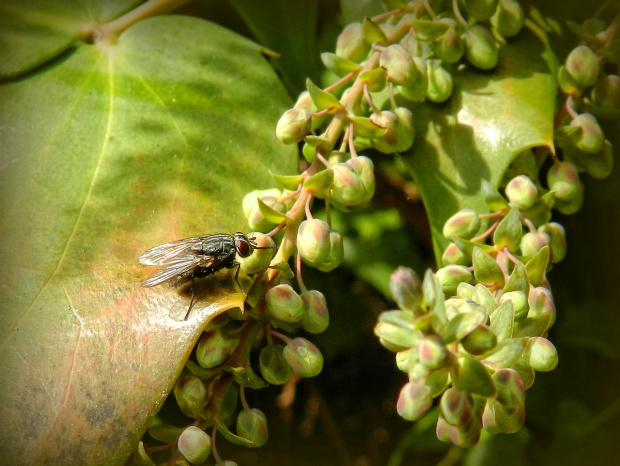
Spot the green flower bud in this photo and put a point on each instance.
(256, 220)
(480, 10)
(449, 47)
(510, 387)
(414, 401)
(365, 170)
(481, 340)
(304, 357)
(304, 102)
(456, 406)
(532, 242)
(600, 165)
(498, 418)
(190, 392)
(451, 275)
(582, 64)
(567, 83)
(294, 125)
(400, 131)
(443, 429)
(195, 445)
(398, 64)
(563, 180)
(557, 240)
(540, 301)
(396, 330)
(351, 43)
(590, 137)
(519, 303)
(439, 82)
(453, 255)
(464, 224)
(214, 347)
(406, 289)
(509, 18)
(354, 183)
(432, 351)
(480, 48)
(417, 371)
(467, 435)
(404, 358)
(313, 241)
(316, 318)
(521, 192)
(273, 366)
(336, 253)
(605, 96)
(541, 354)
(284, 304)
(259, 260)
(415, 91)
(252, 425)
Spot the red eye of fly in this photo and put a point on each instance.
(243, 248)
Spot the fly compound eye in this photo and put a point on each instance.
(243, 247)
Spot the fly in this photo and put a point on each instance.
(197, 257)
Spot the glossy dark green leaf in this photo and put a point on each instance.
(110, 151)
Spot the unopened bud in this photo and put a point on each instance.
(439, 82)
(453, 255)
(563, 180)
(605, 97)
(313, 241)
(214, 347)
(583, 65)
(252, 425)
(304, 357)
(432, 351)
(400, 131)
(336, 253)
(450, 46)
(284, 304)
(396, 330)
(414, 401)
(351, 43)
(541, 354)
(510, 387)
(521, 192)
(316, 318)
(600, 165)
(532, 242)
(509, 18)
(464, 224)
(481, 340)
(480, 10)
(519, 303)
(273, 366)
(498, 418)
(590, 137)
(456, 406)
(294, 125)
(406, 288)
(480, 48)
(451, 275)
(398, 64)
(195, 445)
(557, 242)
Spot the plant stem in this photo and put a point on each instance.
(110, 31)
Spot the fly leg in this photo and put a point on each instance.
(191, 302)
(238, 265)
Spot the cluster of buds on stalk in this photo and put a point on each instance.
(474, 333)
(592, 94)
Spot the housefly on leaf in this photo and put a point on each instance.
(196, 257)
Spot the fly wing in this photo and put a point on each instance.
(164, 253)
(179, 265)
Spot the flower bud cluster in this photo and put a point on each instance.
(473, 339)
(592, 95)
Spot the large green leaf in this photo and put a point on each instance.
(491, 117)
(34, 31)
(107, 152)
